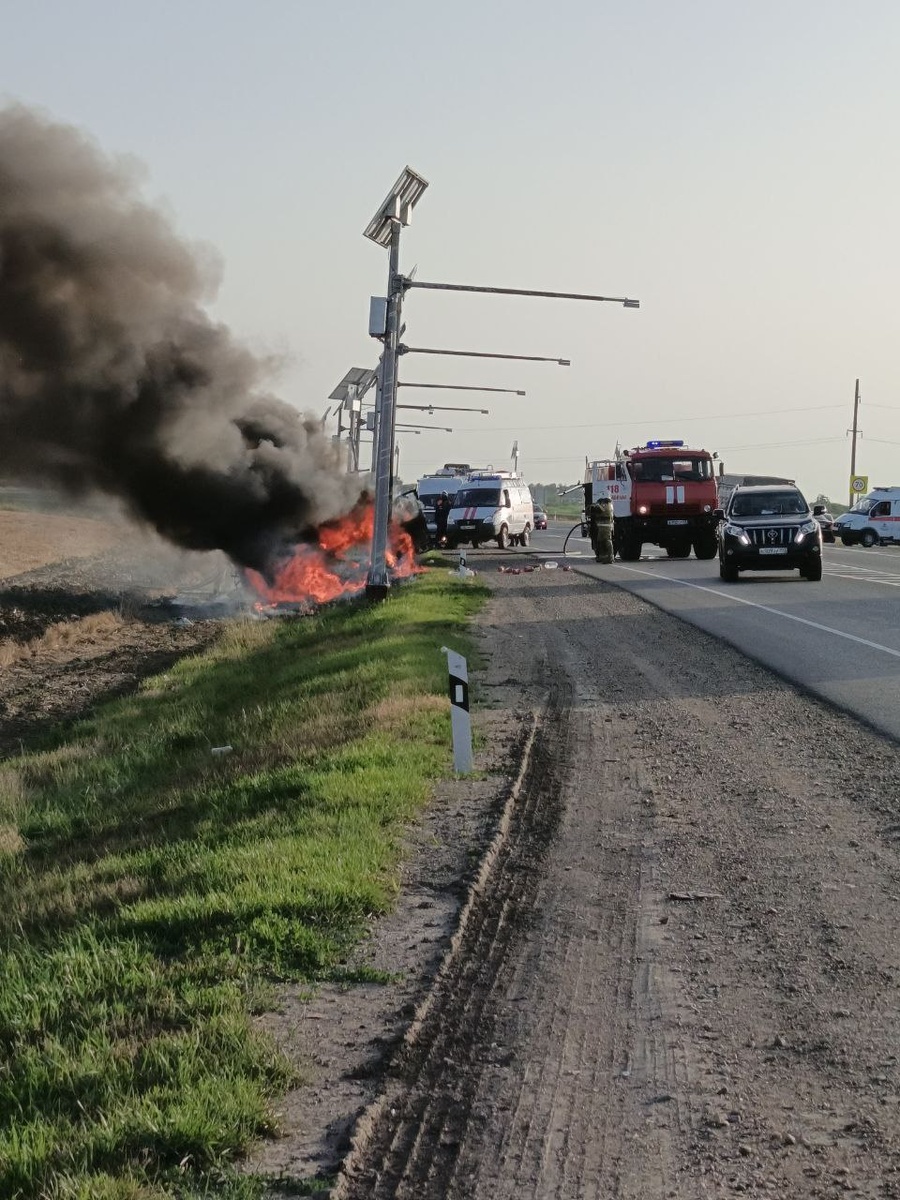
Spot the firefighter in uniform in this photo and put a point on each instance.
(601, 519)
(442, 508)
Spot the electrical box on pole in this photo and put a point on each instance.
(378, 310)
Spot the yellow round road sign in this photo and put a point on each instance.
(859, 483)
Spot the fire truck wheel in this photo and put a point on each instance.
(679, 550)
(630, 550)
(728, 573)
(705, 545)
(503, 537)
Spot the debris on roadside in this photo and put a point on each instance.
(547, 566)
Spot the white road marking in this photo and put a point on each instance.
(885, 553)
(893, 581)
(868, 569)
(850, 637)
(864, 573)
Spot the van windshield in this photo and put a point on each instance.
(487, 497)
(863, 506)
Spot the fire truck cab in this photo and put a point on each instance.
(661, 493)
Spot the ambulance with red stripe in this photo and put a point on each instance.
(491, 507)
(873, 520)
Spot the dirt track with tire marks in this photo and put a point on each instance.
(681, 980)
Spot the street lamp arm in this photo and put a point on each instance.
(461, 387)
(495, 291)
(562, 362)
(444, 408)
(416, 428)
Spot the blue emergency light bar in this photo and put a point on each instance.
(661, 445)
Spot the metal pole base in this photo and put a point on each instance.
(377, 591)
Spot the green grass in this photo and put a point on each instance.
(565, 509)
(150, 891)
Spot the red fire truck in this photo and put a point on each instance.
(662, 493)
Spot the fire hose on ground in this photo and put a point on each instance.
(569, 534)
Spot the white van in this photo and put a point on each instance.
(430, 487)
(873, 519)
(495, 507)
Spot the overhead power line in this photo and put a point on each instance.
(766, 412)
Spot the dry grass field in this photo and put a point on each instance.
(32, 539)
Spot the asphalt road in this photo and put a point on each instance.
(840, 638)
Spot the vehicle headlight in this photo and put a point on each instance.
(805, 529)
(736, 531)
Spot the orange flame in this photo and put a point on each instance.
(323, 572)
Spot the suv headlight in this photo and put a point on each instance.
(736, 531)
(805, 529)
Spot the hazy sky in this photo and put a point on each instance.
(734, 166)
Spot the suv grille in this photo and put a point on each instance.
(775, 535)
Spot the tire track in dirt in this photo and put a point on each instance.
(421, 1127)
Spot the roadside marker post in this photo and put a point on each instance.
(460, 721)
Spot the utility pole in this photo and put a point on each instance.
(855, 433)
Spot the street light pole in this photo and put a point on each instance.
(349, 394)
(384, 230)
(378, 581)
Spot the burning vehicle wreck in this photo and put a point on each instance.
(332, 566)
(115, 380)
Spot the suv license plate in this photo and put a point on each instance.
(467, 524)
(676, 522)
(773, 550)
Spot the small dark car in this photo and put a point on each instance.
(540, 519)
(769, 528)
(826, 521)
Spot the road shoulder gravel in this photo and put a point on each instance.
(684, 980)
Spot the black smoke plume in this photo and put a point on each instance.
(114, 379)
